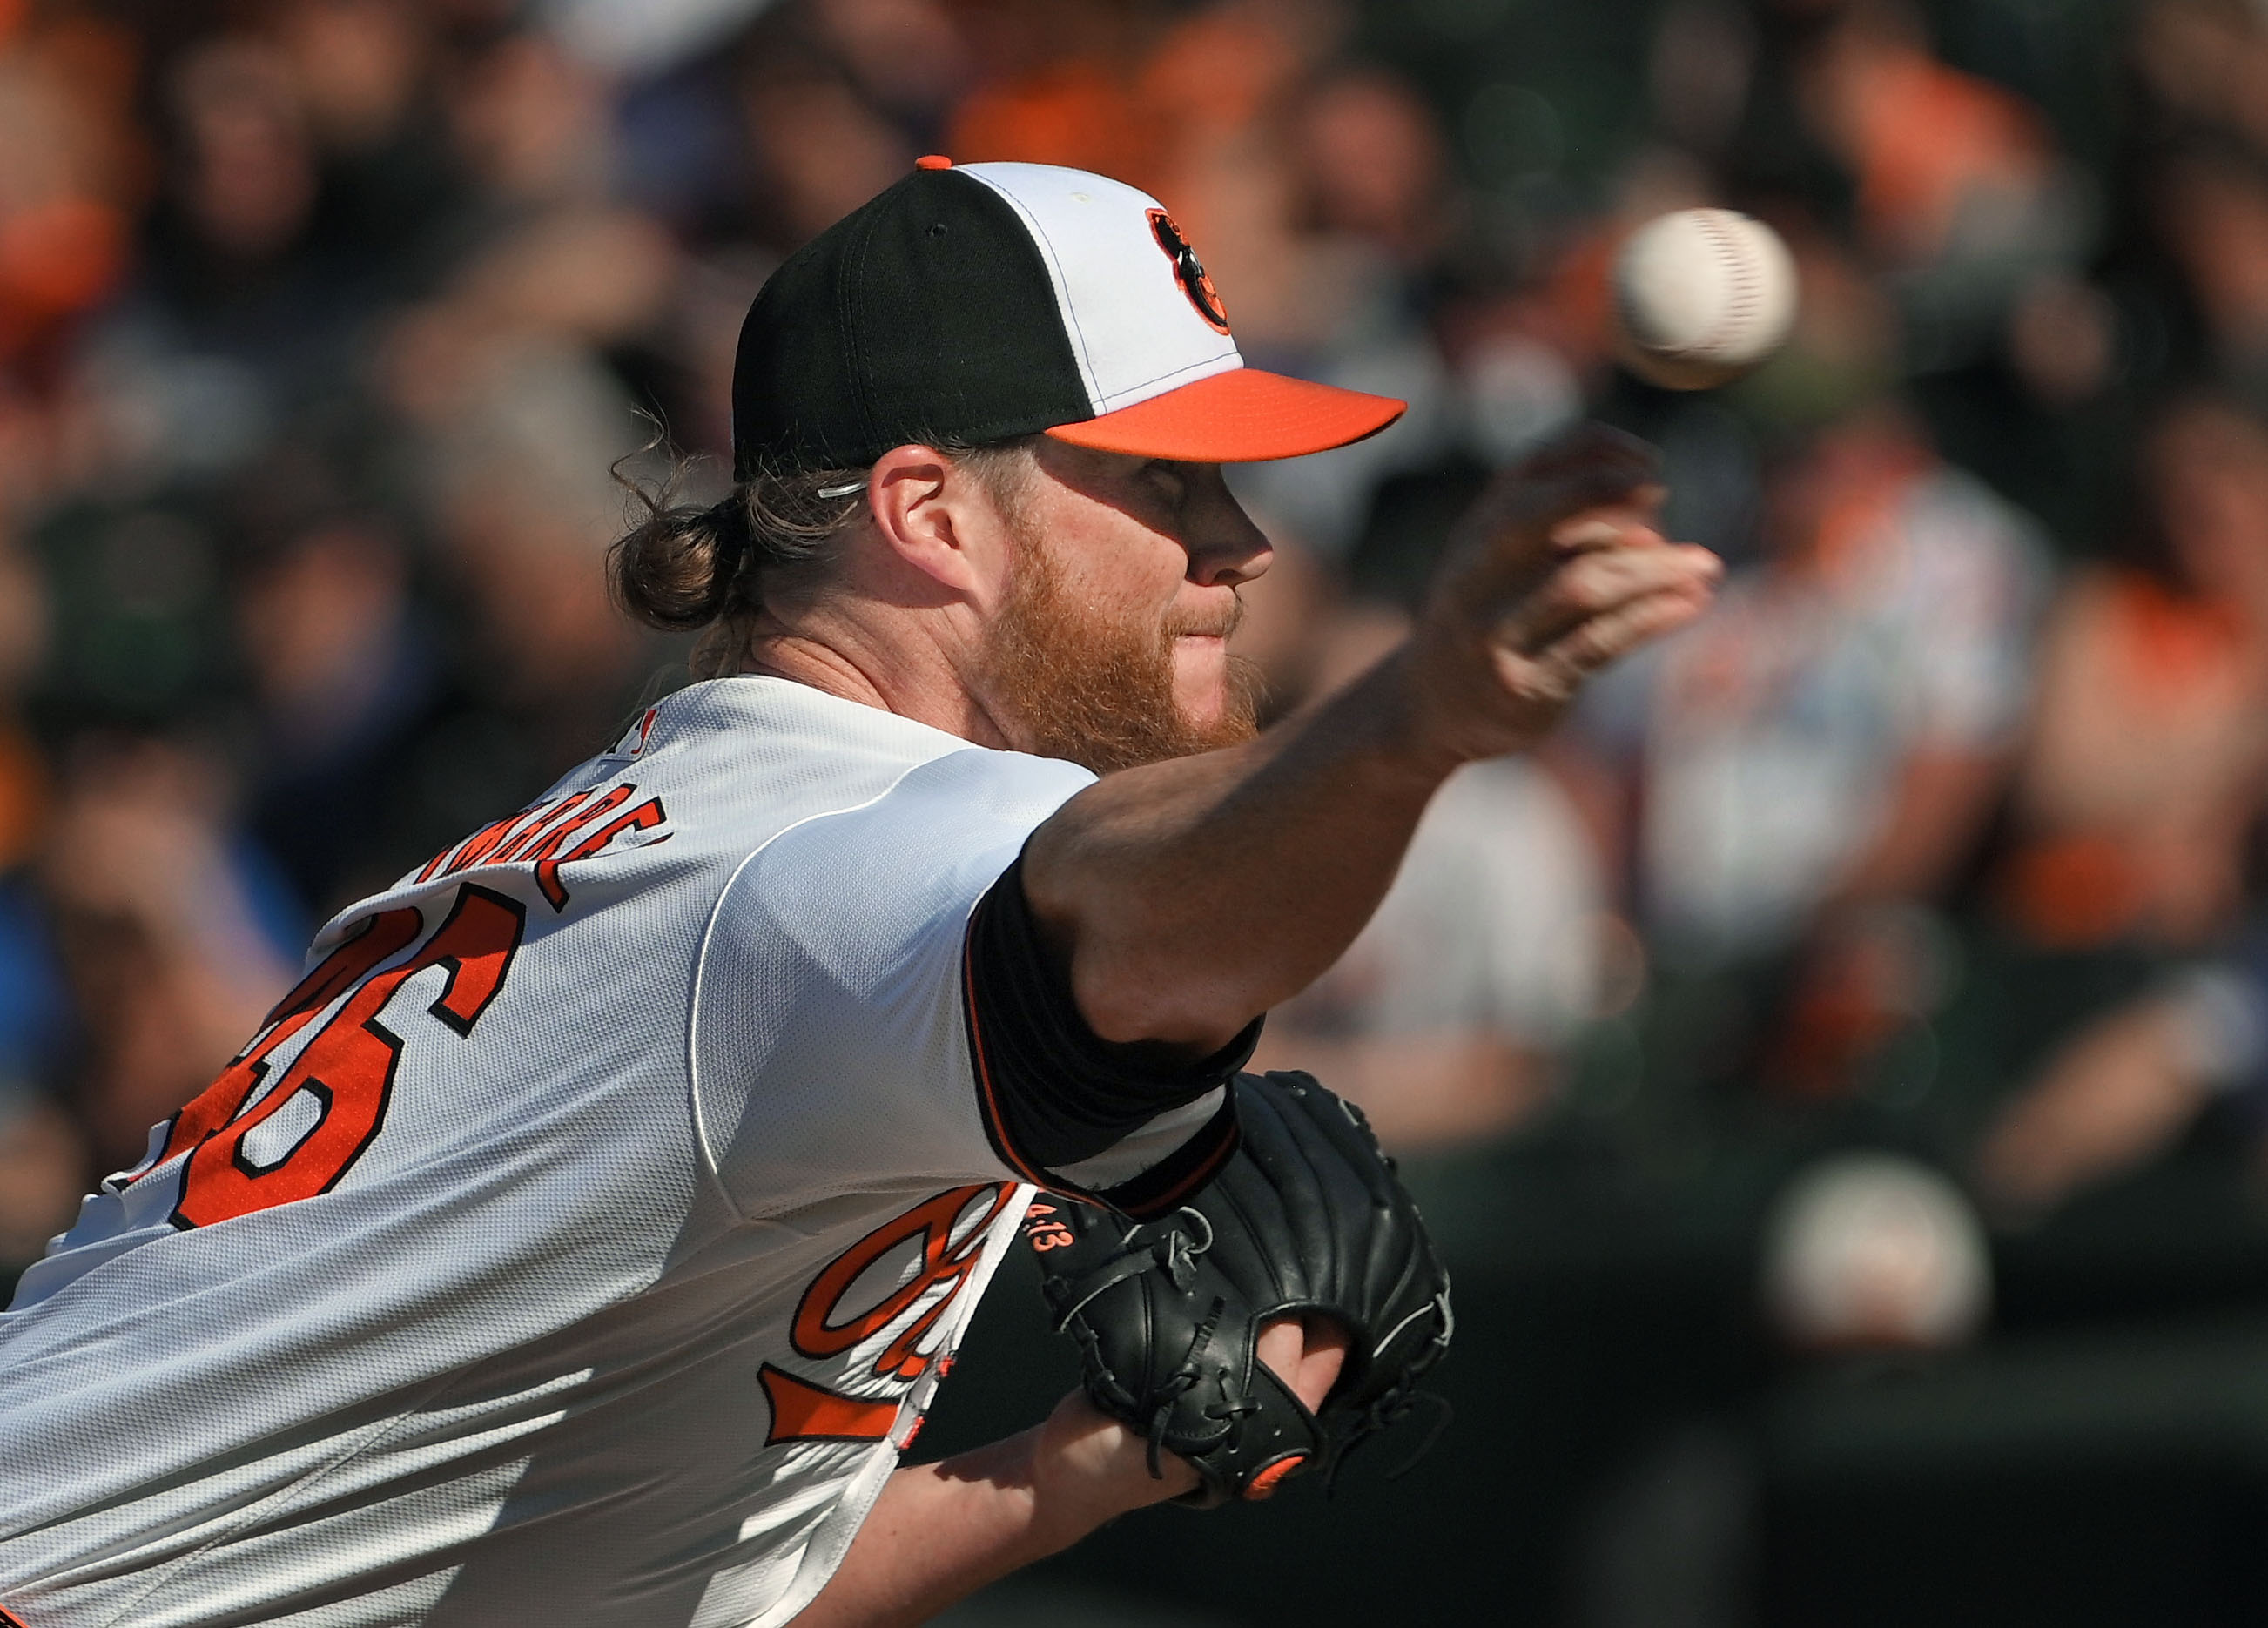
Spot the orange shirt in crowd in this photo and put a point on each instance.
(1924, 139)
(2144, 766)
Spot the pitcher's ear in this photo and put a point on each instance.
(938, 519)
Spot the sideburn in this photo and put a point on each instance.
(1082, 686)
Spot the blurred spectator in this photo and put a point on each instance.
(1833, 735)
(1952, 185)
(1448, 1018)
(1336, 261)
(909, 56)
(822, 151)
(1825, 747)
(2126, 1085)
(1375, 166)
(1943, 162)
(513, 422)
(2144, 768)
(530, 121)
(1951, 193)
(69, 174)
(136, 594)
(175, 933)
(2204, 66)
(2137, 804)
(231, 326)
(2212, 202)
(345, 678)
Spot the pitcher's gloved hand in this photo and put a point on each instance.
(1305, 1219)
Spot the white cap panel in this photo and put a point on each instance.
(1136, 332)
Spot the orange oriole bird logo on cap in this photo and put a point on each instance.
(1196, 281)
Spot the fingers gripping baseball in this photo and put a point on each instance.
(1597, 584)
(1557, 572)
(1555, 672)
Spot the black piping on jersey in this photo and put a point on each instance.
(1051, 1093)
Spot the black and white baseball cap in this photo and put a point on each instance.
(986, 300)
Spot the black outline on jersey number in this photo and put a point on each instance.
(424, 959)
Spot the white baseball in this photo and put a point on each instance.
(1873, 1249)
(1701, 296)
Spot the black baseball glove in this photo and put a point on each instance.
(1305, 1218)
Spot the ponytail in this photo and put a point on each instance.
(682, 568)
(678, 568)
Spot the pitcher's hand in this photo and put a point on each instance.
(1557, 571)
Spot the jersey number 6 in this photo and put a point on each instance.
(307, 1133)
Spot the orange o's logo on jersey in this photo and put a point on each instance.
(949, 1254)
(803, 1412)
(1189, 271)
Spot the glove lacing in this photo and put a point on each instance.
(1174, 1254)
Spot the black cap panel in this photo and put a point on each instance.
(927, 312)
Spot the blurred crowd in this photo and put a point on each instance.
(323, 322)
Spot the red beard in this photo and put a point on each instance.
(1069, 681)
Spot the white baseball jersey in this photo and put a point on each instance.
(581, 1241)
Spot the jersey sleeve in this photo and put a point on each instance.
(1135, 1127)
(859, 1023)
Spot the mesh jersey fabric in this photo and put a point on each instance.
(623, 1309)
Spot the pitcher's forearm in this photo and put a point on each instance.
(1191, 896)
(941, 1532)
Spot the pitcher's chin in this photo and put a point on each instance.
(1201, 677)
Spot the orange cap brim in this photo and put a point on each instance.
(1242, 416)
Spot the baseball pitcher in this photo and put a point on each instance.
(581, 1241)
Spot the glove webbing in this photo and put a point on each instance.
(1392, 1407)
